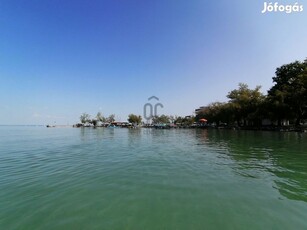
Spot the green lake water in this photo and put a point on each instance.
(104, 178)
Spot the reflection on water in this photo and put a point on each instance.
(281, 156)
(112, 178)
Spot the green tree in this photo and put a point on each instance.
(289, 94)
(245, 102)
(84, 118)
(188, 120)
(216, 112)
(100, 117)
(94, 122)
(162, 119)
(111, 118)
(276, 108)
(134, 119)
(178, 120)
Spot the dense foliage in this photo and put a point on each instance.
(86, 119)
(286, 101)
(134, 119)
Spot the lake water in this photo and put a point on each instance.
(104, 178)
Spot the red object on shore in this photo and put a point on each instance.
(203, 120)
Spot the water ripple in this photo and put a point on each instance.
(151, 179)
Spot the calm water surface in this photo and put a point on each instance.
(65, 178)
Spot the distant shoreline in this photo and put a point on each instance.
(23, 125)
(302, 129)
(59, 126)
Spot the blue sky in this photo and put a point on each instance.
(59, 59)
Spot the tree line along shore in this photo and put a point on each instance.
(283, 108)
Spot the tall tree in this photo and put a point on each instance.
(100, 117)
(188, 120)
(216, 112)
(289, 94)
(134, 119)
(245, 102)
(178, 120)
(162, 119)
(111, 118)
(84, 118)
(94, 122)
